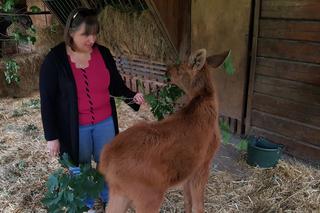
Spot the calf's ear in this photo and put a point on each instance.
(197, 59)
(217, 60)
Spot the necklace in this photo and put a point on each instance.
(81, 60)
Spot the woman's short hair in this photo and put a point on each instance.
(78, 17)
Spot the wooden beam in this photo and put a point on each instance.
(288, 109)
(290, 29)
(290, 70)
(289, 128)
(257, 11)
(291, 9)
(290, 90)
(291, 50)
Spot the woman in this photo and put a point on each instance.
(78, 80)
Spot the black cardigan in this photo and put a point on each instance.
(59, 102)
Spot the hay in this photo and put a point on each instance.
(24, 168)
(29, 75)
(49, 36)
(134, 33)
(30, 62)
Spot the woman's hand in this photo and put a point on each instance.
(53, 147)
(138, 98)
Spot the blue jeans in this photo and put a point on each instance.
(92, 138)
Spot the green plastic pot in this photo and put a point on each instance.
(263, 153)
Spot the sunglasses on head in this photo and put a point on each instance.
(84, 13)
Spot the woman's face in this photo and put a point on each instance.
(83, 42)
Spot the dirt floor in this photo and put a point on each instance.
(292, 186)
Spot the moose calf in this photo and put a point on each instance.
(144, 161)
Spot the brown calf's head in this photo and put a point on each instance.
(193, 76)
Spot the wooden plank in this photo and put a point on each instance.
(293, 147)
(257, 11)
(134, 84)
(146, 84)
(128, 81)
(291, 50)
(291, 9)
(304, 113)
(142, 70)
(290, 29)
(233, 125)
(140, 61)
(150, 65)
(149, 76)
(286, 127)
(290, 90)
(296, 71)
(240, 127)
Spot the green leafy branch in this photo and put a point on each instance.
(162, 102)
(226, 137)
(67, 193)
(28, 37)
(7, 5)
(11, 71)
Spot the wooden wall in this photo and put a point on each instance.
(284, 101)
(219, 25)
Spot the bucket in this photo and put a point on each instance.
(263, 153)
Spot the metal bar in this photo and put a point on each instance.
(38, 13)
(141, 5)
(70, 7)
(131, 5)
(52, 7)
(121, 5)
(106, 2)
(74, 4)
(91, 4)
(58, 9)
(53, 11)
(24, 14)
(112, 3)
(67, 7)
(62, 10)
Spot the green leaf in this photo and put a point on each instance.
(242, 145)
(65, 161)
(162, 102)
(35, 9)
(69, 196)
(11, 71)
(225, 132)
(228, 65)
(8, 5)
(32, 39)
(52, 183)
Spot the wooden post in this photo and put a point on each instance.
(257, 11)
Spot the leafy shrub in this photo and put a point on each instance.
(66, 192)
